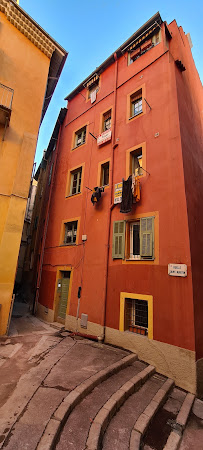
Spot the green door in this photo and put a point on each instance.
(64, 295)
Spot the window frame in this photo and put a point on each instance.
(66, 231)
(77, 171)
(103, 167)
(124, 239)
(149, 299)
(130, 98)
(136, 101)
(83, 132)
(105, 120)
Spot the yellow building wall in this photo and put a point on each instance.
(24, 68)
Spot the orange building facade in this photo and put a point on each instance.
(130, 278)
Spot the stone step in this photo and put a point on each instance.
(165, 419)
(76, 429)
(126, 426)
(115, 402)
(62, 412)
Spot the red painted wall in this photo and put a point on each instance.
(165, 190)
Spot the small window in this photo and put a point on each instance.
(136, 104)
(93, 85)
(105, 174)
(70, 233)
(136, 162)
(75, 181)
(80, 137)
(107, 121)
(136, 316)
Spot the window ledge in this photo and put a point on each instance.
(135, 115)
(73, 195)
(67, 245)
(78, 146)
(136, 334)
(140, 259)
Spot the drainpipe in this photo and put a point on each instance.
(35, 304)
(114, 145)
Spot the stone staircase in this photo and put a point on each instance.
(124, 406)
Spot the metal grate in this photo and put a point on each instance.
(136, 316)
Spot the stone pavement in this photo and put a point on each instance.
(62, 391)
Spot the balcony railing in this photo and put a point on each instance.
(6, 98)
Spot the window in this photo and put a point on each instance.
(136, 103)
(136, 316)
(105, 174)
(80, 137)
(137, 242)
(107, 121)
(70, 233)
(75, 181)
(136, 162)
(93, 85)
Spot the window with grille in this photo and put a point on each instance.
(136, 316)
(75, 182)
(107, 120)
(80, 137)
(70, 232)
(136, 103)
(105, 174)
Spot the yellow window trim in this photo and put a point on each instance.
(128, 154)
(154, 261)
(63, 269)
(99, 171)
(74, 134)
(67, 194)
(101, 120)
(129, 119)
(62, 233)
(148, 298)
(87, 90)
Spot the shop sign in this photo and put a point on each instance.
(104, 137)
(177, 270)
(118, 193)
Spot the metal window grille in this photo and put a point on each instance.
(136, 316)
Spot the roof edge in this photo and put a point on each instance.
(155, 18)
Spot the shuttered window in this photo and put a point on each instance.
(118, 250)
(146, 236)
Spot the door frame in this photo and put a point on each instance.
(56, 294)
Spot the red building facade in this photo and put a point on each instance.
(130, 278)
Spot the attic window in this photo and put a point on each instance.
(92, 86)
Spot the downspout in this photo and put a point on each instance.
(35, 304)
(114, 145)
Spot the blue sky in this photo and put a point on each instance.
(91, 30)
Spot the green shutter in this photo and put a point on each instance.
(118, 250)
(147, 236)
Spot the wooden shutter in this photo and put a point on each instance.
(147, 236)
(118, 250)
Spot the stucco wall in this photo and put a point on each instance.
(24, 68)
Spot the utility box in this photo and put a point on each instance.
(83, 320)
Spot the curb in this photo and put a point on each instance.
(61, 414)
(175, 436)
(105, 414)
(146, 417)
